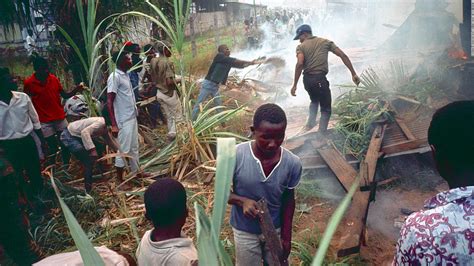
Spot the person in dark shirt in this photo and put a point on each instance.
(217, 74)
(135, 51)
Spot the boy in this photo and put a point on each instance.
(165, 204)
(263, 170)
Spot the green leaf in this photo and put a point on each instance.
(224, 171)
(210, 249)
(207, 251)
(88, 253)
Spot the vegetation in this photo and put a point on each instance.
(117, 219)
(359, 107)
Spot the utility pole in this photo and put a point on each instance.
(255, 13)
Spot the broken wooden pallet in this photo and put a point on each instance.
(356, 217)
(344, 172)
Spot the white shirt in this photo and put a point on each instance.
(29, 42)
(86, 129)
(19, 118)
(171, 252)
(125, 107)
(110, 258)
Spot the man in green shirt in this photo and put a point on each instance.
(312, 55)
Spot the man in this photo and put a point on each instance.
(30, 44)
(312, 56)
(123, 112)
(14, 237)
(154, 108)
(264, 170)
(134, 76)
(443, 234)
(79, 138)
(163, 77)
(165, 245)
(18, 119)
(217, 74)
(46, 91)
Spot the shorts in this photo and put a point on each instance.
(73, 144)
(251, 249)
(53, 127)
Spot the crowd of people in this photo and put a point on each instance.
(34, 123)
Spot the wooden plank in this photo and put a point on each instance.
(272, 240)
(311, 162)
(294, 144)
(315, 161)
(344, 172)
(404, 146)
(405, 129)
(353, 229)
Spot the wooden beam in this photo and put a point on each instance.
(344, 172)
(353, 229)
(404, 146)
(405, 129)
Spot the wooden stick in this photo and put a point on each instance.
(272, 240)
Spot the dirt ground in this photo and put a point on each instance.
(384, 220)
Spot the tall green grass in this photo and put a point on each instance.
(211, 251)
(89, 255)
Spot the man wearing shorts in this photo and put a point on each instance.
(46, 91)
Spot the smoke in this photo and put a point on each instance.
(371, 33)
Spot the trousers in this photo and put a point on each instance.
(208, 89)
(319, 92)
(24, 158)
(128, 143)
(172, 109)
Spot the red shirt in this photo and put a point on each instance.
(46, 97)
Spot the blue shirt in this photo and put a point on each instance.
(250, 181)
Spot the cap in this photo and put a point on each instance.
(162, 44)
(302, 29)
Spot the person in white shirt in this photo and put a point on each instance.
(18, 119)
(30, 43)
(123, 113)
(165, 244)
(79, 138)
(109, 257)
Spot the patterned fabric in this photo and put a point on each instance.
(441, 235)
